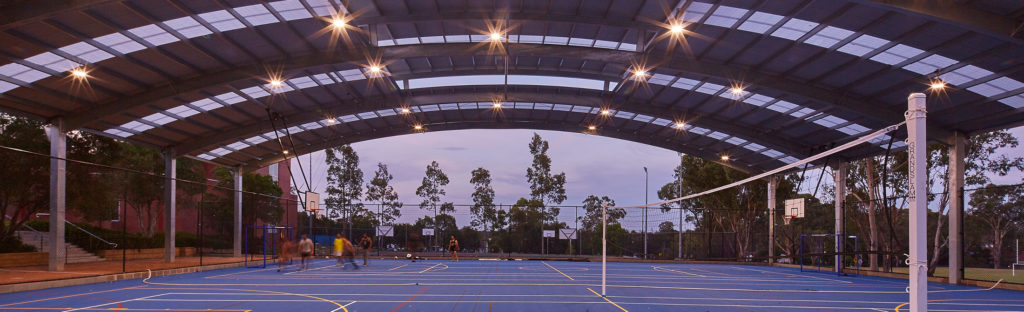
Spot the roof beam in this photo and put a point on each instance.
(822, 97)
(212, 139)
(536, 125)
(17, 13)
(962, 14)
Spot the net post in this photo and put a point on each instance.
(604, 248)
(840, 225)
(916, 111)
(773, 183)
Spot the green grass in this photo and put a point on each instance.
(981, 274)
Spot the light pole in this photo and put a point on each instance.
(646, 178)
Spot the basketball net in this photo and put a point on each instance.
(787, 219)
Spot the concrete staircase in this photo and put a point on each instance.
(41, 240)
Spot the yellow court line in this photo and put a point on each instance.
(68, 296)
(609, 301)
(398, 267)
(559, 272)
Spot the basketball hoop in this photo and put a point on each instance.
(788, 219)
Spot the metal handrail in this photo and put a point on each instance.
(114, 245)
(24, 224)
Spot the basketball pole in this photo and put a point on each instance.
(916, 136)
(604, 247)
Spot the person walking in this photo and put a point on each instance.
(349, 253)
(306, 251)
(365, 244)
(453, 248)
(286, 252)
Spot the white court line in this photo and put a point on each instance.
(320, 268)
(796, 275)
(428, 269)
(116, 302)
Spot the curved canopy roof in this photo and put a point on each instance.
(765, 82)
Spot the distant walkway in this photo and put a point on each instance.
(25, 274)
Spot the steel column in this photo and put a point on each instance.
(58, 192)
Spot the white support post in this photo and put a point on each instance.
(957, 154)
(604, 248)
(916, 146)
(773, 185)
(170, 203)
(237, 216)
(58, 192)
(840, 181)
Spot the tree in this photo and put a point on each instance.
(262, 198)
(483, 208)
(592, 205)
(431, 189)
(380, 189)
(344, 182)
(24, 188)
(667, 227)
(144, 192)
(545, 187)
(999, 207)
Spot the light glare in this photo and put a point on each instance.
(676, 29)
(79, 73)
(937, 85)
(495, 36)
(680, 125)
(725, 157)
(592, 127)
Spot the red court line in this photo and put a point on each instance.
(410, 299)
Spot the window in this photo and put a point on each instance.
(273, 171)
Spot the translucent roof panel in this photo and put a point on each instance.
(930, 64)
(22, 72)
(964, 74)
(725, 16)
(256, 14)
(554, 81)
(222, 20)
(863, 45)
(153, 34)
(86, 52)
(290, 9)
(120, 43)
(794, 29)
(188, 27)
(896, 54)
(760, 22)
(696, 11)
(829, 36)
(53, 61)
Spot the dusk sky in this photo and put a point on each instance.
(592, 164)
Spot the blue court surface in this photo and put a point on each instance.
(536, 286)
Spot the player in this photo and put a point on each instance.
(364, 247)
(349, 253)
(453, 247)
(286, 251)
(306, 251)
(339, 248)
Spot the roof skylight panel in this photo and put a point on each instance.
(686, 84)
(255, 92)
(789, 159)
(710, 88)
(256, 139)
(643, 118)
(543, 106)
(604, 44)
(407, 41)
(429, 108)
(582, 109)
(479, 38)
(222, 20)
(699, 130)
(930, 64)
(302, 82)
(661, 79)
(662, 122)
(802, 112)
(295, 129)
(118, 132)
(183, 111)
(206, 156)
(562, 107)
(387, 112)
(753, 146)
(468, 105)
(7, 86)
(896, 54)
(627, 46)
(794, 29)
(760, 22)
(432, 39)
(717, 135)
(1002, 84)
(735, 141)
(312, 125)
(290, 10)
(829, 36)
(624, 115)
(964, 74)
(531, 39)
(188, 27)
(863, 45)
(772, 153)
(86, 52)
(829, 121)
(153, 34)
(136, 126)
(220, 151)
(581, 42)
(853, 129)
(159, 118)
(758, 100)
(256, 14)
(284, 87)
(1014, 101)
(351, 74)
(725, 16)
(322, 7)
(22, 72)
(120, 43)
(782, 106)
(386, 43)
(366, 115)
(455, 38)
(53, 62)
(206, 104)
(240, 145)
(696, 11)
(230, 98)
(522, 105)
(323, 79)
(448, 106)
(556, 40)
